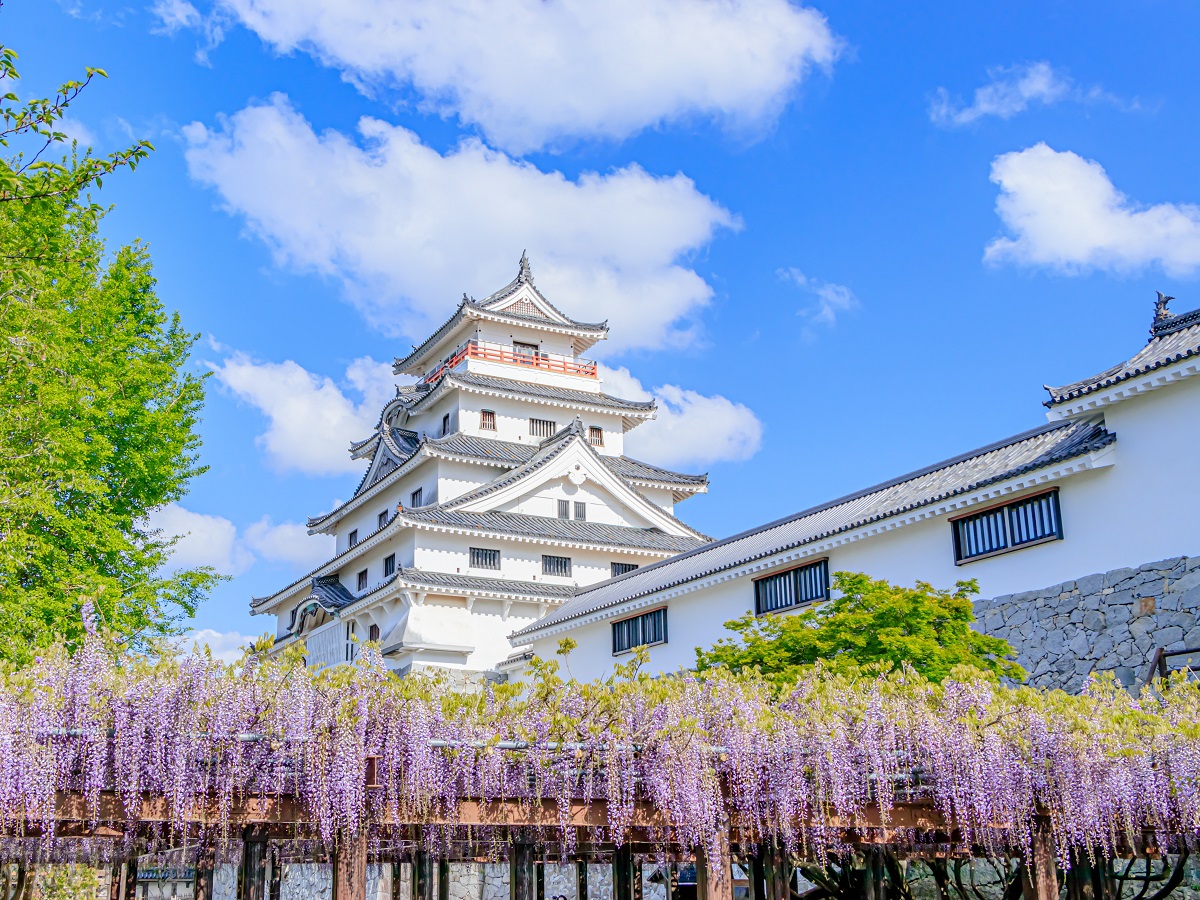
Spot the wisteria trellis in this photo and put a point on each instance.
(710, 753)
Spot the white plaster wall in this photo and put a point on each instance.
(548, 342)
(1140, 509)
(660, 498)
(457, 478)
(602, 506)
(512, 420)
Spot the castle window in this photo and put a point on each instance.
(1010, 526)
(621, 568)
(559, 566)
(351, 644)
(595, 435)
(564, 509)
(640, 631)
(795, 587)
(542, 428)
(445, 424)
(382, 519)
(389, 565)
(414, 499)
(362, 580)
(483, 558)
(580, 511)
(524, 349)
(487, 420)
(373, 633)
(353, 537)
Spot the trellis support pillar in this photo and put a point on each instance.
(350, 868)
(443, 879)
(253, 883)
(581, 881)
(714, 882)
(123, 884)
(422, 876)
(206, 863)
(627, 875)
(522, 880)
(1039, 875)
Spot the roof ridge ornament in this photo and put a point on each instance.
(524, 274)
(1161, 312)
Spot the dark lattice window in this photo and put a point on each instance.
(1030, 520)
(795, 587)
(414, 499)
(581, 510)
(557, 565)
(483, 558)
(564, 509)
(362, 580)
(389, 565)
(383, 518)
(353, 538)
(373, 633)
(595, 435)
(622, 568)
(638, 631)
(542, 428)
(487, 420)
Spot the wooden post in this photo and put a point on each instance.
(873, 876)
(715, 882)
(422, 876)
(581, 881)
(350, 868)
(206, 863)
(758, 875)
(397, 893)
(275, 883)
(124, 885)
(1039, 875)
(627, 882)
(254, 867)
(522, 881)
(443, 879)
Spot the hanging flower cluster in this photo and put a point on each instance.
(710, 754)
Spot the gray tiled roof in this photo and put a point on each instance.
(627, 467)
(488, 585)
(556, 529)
(331, 593)
(1172, 339)
(1005, 459)
(547, 392)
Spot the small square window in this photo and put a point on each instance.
(557, 565)
(487, 420)
(383, 518)
(564, 509)
(542, 428)
(595, 435)
(414, 499)
(362, 580)
(353, 538)
(445, 424)
(622, 568)
(389, 565)
(580, 511)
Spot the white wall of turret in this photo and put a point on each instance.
(512, 421)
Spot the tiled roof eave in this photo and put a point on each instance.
(1104, 440)
(449, 380)
(1112, 377)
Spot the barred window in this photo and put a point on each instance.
(445, 424)
(362, 580)
(580, 510)
(414, 499)
(622, 568)
(383, 518)
(353, 537)
(595, 435)
(1020, 523)
(542, 427)
(524, 349)
(373, 633)
(564, 509)
(487, 420)
(389, 565)
(795, 587)
(639, 631)
(557, 565)
(483, 558)
(351, 642)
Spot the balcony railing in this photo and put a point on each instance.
(546, 362)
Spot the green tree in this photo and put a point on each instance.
(97, 414)
(870, 622)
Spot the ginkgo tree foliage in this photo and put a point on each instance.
(868, 622)
(97, 414)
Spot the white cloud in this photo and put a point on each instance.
(691, 429)
(76, 131)
(1064, 213)
(1012, 90)
(226, 646)
(829, 299)
(203, 540)
(174, 15)
(288, 543)
(407, 229)
(310, 419)
(531, 72)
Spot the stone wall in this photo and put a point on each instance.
(1113, 621)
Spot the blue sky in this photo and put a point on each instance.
(838, 241)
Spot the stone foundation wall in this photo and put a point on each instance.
(1109, 622)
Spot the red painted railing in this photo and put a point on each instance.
(547, 362)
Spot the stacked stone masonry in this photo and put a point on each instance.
(1109, 622)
